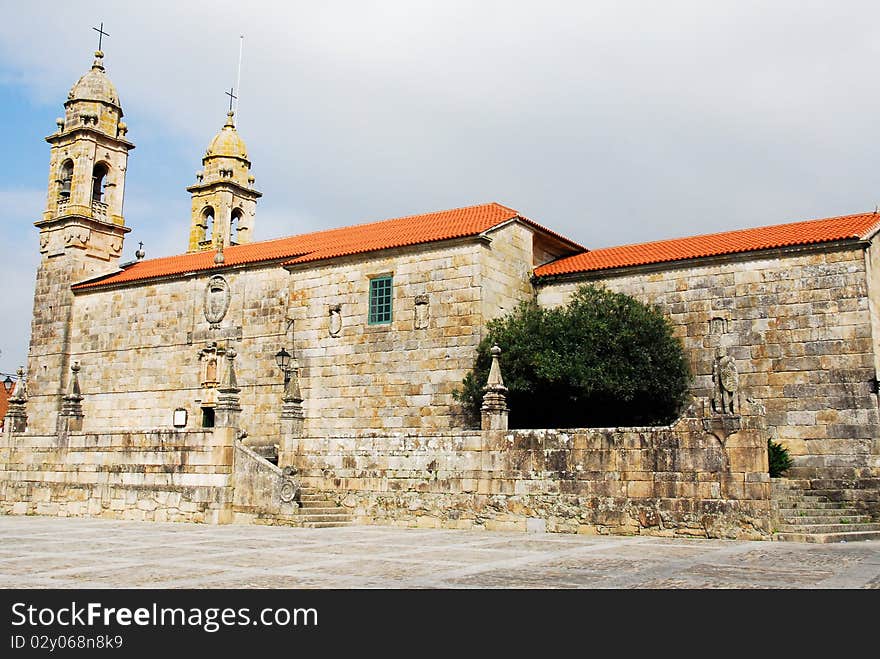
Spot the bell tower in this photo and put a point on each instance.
(88, 158)
(81, 231)
(224, 200)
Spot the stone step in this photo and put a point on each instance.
(811, 503)
(325, 518)
(827, 528)
(325, 525)
(789, 485)
(818, 512)
(851, 536)
(845, 484)
(848, 494)
(830, 508)
(322, 510)
(801, 520)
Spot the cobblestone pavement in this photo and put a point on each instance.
(44, 552)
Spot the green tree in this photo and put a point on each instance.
(778, 458)
(604, 359)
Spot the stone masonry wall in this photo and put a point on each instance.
(675, 480)
(142, 348)
(157, 475)
(507, 265)
(393, 375)
(798, 325)
(139, 350)
(401, 374)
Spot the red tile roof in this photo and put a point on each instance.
(398, 232)
(4, 401)
(730, 242)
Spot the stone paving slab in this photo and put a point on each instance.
(51, 552)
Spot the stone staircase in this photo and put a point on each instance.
(318, 512)
(809, 515)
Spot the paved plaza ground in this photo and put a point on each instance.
(48, 552)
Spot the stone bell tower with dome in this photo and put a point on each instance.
(224, 200)
(82, 230)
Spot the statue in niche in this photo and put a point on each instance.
(725, 383)
(335, 319)
(211, 371)
(210, 354)
(421, 320)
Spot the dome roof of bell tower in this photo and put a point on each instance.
(227, 143)
(95, 85)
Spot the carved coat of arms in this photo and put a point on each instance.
(217, 296)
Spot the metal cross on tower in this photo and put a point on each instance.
(231, 95)
(101, 34)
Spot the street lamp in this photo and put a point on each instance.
(282, 358)
(7, 384)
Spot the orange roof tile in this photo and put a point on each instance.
(730, 242)
(4, 401)
(397, 232)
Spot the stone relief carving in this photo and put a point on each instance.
(44, 242)
(335, 319)
(289, 485)
(76, 236)
(718, 325)
(217, 297)
(725, 383)
(116, 246)
(422, 314)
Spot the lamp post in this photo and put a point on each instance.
(292, 415)
(282, 358)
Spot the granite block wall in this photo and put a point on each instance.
(798, 323)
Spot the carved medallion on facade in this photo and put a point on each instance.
(217, 297)
(116, 246)
(335, 319)
(289, 485)
(421, 317)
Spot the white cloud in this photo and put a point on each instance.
(610, 121)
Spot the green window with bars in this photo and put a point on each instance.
(380, 300)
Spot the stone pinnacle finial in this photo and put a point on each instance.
(292, 391)
(494, 409)
(74, 389)
(230, 119)
(230, 381)
(228, 409)
(495, 380)
(218, 257)
(140, 254)
(19, 394)
(16, 414)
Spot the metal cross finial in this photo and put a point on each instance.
(101, 34)
(231, 95)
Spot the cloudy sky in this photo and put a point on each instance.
(609, 121)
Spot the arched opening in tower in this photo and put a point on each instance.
(99, 174)
(208, 225)
(65, 178)
(235, 226)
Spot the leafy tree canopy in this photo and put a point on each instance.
(604, 359)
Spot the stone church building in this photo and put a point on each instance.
(308, 380)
